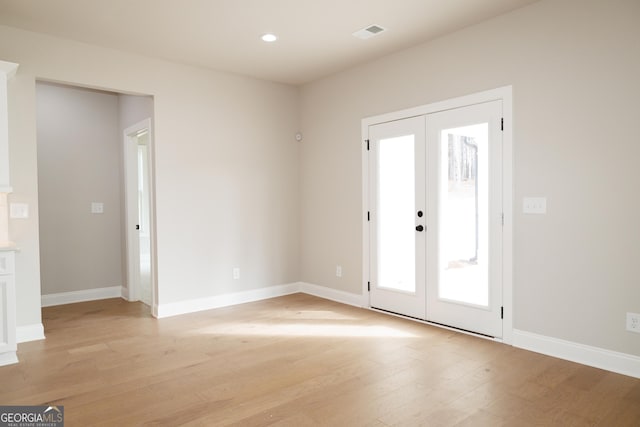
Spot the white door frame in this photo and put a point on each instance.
(132, 243)
(505, 95)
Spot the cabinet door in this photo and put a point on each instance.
(7, 315)
(6, 263)
(8, 345)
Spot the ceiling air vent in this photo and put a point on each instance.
(370, 31)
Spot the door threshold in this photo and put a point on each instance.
(438, 325)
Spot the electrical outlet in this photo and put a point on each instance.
(338, 271)
(236, 273)
(534, 205)
(633, 322)
(97, 207)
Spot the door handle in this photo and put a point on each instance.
(419, 228)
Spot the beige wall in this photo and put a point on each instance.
(225, 157)
(78, 142)
(574, 67)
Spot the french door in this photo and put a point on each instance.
(436, 217)
(398, 195)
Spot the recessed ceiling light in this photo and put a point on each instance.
(269, 38)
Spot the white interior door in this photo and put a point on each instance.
(144, 220)
(436, 217)
(137, 140)
(397, 165)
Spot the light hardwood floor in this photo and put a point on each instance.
(295, 361)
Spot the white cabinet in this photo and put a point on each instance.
(8, 346)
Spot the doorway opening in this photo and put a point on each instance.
(81, 195)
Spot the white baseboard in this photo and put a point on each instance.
(8, 358)
(191, 306)
(124, 293)
(81, 296)
(613, 361)
(30, 333)
(332, 294)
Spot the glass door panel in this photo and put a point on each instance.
(396, 206)
(464, 268)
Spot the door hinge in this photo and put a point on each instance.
(368, 216)
(502, 123)
(367, 141)
(369, 286)
(502, 312)
(502, 219)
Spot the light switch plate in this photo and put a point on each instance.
(534, 205)
(97, 207)
(18, 210)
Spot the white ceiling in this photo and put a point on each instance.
(314, 35)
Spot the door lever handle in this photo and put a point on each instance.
(419, 228)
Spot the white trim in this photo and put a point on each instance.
(8, 68)
(462, 101)
(505, 94)
(8, 358)
(366, 241)
(81, 296)
(334, 294)
(124, 292)
(621, 363)
(201, 304)
(507, 206)
(154, 310)
(28, 333)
